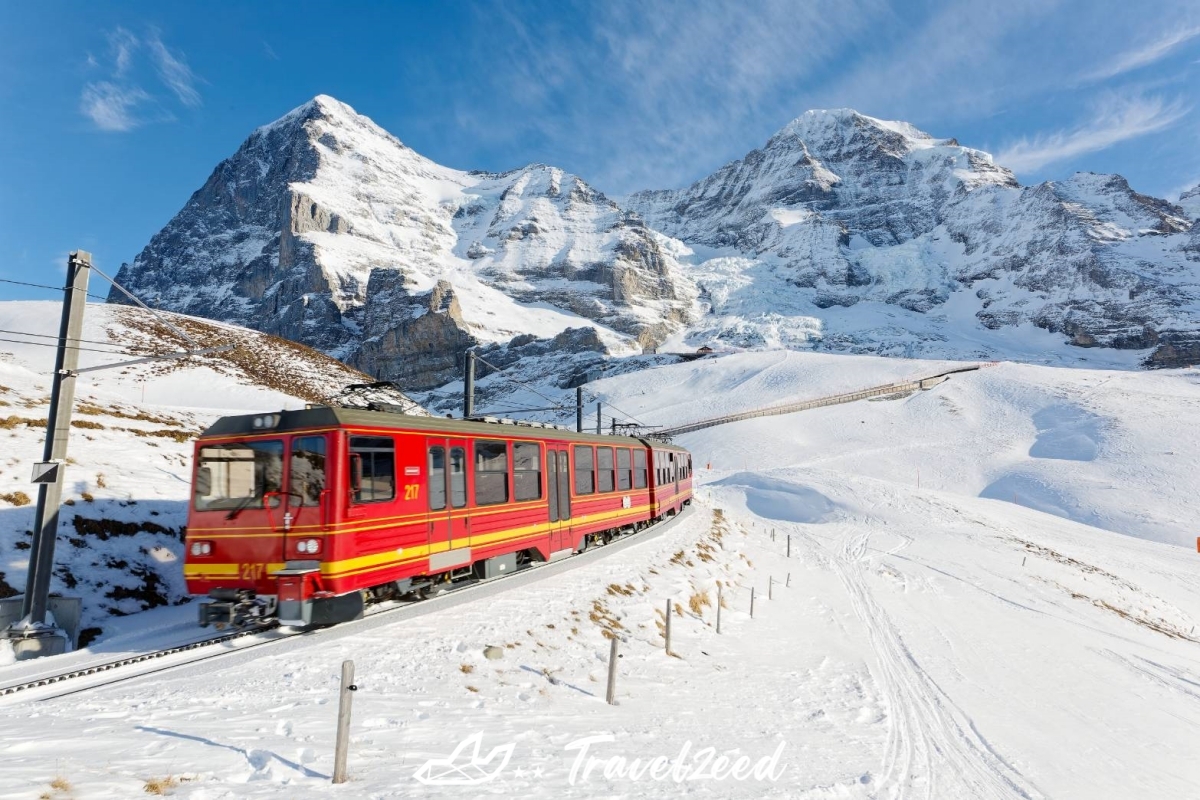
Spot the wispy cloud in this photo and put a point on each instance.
(669, 79)
(122, 43)
(174, 72)
(1146, 54)
(1116, 120)
(120, 102)
(110, 106)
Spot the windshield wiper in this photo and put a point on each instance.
(242, 506)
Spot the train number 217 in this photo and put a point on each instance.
(412, 491)
(252, 572)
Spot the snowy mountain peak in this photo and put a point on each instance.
(325, 229)
(1189, 201)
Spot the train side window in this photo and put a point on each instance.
(437, 478)
(458, 477)
(373, 460)
(624, 471)
(307, 477)
(491, 473)
(639, 469)
(585, 475)
(604, 469)
(527, 476)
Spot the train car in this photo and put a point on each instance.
(306, 516)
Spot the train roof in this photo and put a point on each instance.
(335, 417)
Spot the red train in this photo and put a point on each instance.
(306, 516)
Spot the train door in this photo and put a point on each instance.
(552, 496)
(447, 492)
(558, 487)
(304, 502)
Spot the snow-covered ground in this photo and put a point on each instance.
(129, 458)
(992, 593)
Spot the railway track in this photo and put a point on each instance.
(97, 676)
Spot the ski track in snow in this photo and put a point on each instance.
(933, 749)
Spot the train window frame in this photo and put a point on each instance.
(605, 482)
(437, 486)
(262, 470)
(583, 466)
(313, 481)
(485, 479)
(376, 451)
(521, 475)
(625, 470)
(639, 470)
(458, 493)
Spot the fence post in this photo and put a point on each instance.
(718, 608)
(668, 633)
(611, 697)
(789, 581)
(343, 722)
(751, 602)
(789, 550)
(771, 588)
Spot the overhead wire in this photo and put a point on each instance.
(56, 338)
(558, 406)
(51, 288)
(82, 349)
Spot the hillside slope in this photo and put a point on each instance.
(121, 537)
(926, 638)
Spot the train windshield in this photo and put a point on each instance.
(237, 475)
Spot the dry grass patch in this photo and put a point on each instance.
(698, 602)
(161, 786)
(467, 669)
(15, 498)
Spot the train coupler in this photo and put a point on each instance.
(236, 608)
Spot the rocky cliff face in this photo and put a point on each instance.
(873, 236)
(842, 232)
(325, 229)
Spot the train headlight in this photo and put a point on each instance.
(201, 548)
(265, 421)
(310, 546)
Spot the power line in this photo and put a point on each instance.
(51, 288)
(81, 349)
(160, 317)
(56, 338)
(34, 285)
(558, 407)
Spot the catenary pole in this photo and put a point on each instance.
(62, 399)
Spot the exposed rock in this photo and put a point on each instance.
(326, 230)
(839, 208)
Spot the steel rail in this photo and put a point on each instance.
(529, 574)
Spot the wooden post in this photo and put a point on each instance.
(612, 673)
(772, 534)
(751, 602)
(668, 633)
(789, 550)
(343, 722)
(771, 588)
(789, 581)
(718, 608)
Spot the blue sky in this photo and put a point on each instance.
(111, 115)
